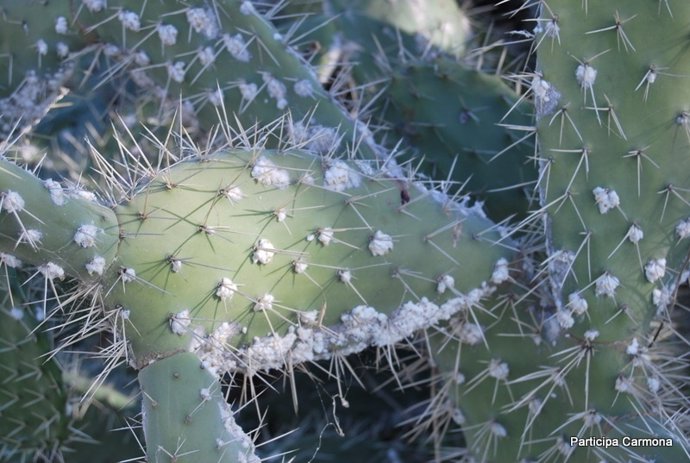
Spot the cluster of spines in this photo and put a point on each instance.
(571, 315)
(34, 417)
(614, 202)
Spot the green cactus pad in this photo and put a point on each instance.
(34, 417)
(59, 230)
(185, 418)
(237, 246)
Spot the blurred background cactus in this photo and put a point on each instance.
(320, 230)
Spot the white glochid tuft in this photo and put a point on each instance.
(96, 266)
(380, 244)
(85, 236)
(606, 199)
(179, 323)
(263, 252)
(606, 285)
(226, 289)
(655, 269)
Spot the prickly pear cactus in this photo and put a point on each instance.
(610, 104)
(34, 417)
(257, 259)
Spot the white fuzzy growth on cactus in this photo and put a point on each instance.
(633, 348)
(203, 22)
(12, 202)
(322, 140)
(267, 173)
(586, 75)
(551, 29)
(141, 58)
(263, 252)
(128, 275)
(248, 90)
(339, 177)
(653, 384)
(606, 285)
(94, 6)
(545, 95)
(498, 430)
(265, 302)
(130, 20)
(226, 289)
(62, 49)
(303, 88)
(16, 313)
(662, 299)
(635, 234)
(299, 266)
(298, 133)
(31, 236)
(444, 282)
(175, 265)
(560, 263)
(344, 276)
(623, 384)
(380, 244)
(237, 47)
(237, 437)
(498, 369)
(206, 56)
(52, 271)
(10, 260)
(359, 329)
(57, 195)
(212, 349)
(167, 33)
(80, 193)
(591, 419)
(41, 47)
(325, 235)
(577, 303)
(501, 272)
(471, 334)
(61, 25)
(215, 97)
(85, 236)
(591, 335)
(96, 265)
(565, 319)
(683, 229)
(233, 194)
(655, 269)
(276, 90)
(606, 199)
(179, 322)
(176, 71)
(281, 214)
(309, 318)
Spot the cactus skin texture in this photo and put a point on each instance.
(251, 259)
(442, 24)
(201, 60)
(185, 417)
(240, 225)
(611, 96)
(61, 231)
(460, 125)
(447, 111)
(33, 398)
